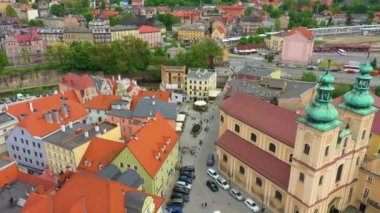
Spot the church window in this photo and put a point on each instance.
(306, 149)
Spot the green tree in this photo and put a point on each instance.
(88, 16)
(377, 91)
(57, 53)
(22, 1)
(248, 11)
(118, 8)
(269, 57)
(3, 60)
(309, 76)
(114, 20)
(36, 23)
(277, 25)
(79, 57)
(341, 89)
(374, 63)
(275, 13)
(25, 56)
(168, 20)
(57, 10)
(10, 11)
(318, 7)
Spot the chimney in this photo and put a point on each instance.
(55, 114)
(22, 116)
(104, 130)
(71, 124)
(63, 128)
(86, 134)
(153, 102)
(31, 106)
(65, 110)
(96, 128)
(49, 117)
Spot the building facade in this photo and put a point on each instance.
(102, 35)
(192, 33)
(98, 107)
(275, 42)
(78, 35)
(51, 35)
(119, 32)
(150, 34)
(173, 77)
(250, 24)
(199, 83)
(83, 86)
(7, 122)
(298, 46)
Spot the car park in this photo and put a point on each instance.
(185, 179)
(176, 201)
(187, 169)
(187, 174)
(236, 194)
(179, 195)
(222, 183)
(212, 185)
(180, 189)
(252, 205)
(183, 184)
(212, 173)
(210, 159)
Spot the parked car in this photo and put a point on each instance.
(187, 169)
(13, 99)
(212, 185)
(212, 173)
(252, 205)
(27, 96)
(236, 194)
(182, 196)
(222, 183)
(311, 67)
(185, 179)
(176, 201)
(2, 101)
(183, 184)
(210, 160)
(7, 100)
(20, 96)
(187, 174)
(174, 208)
(182, 190)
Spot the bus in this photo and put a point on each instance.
(351, 68)
(341, 52)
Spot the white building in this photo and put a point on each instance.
(200, 82)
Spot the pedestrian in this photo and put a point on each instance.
(206, 204)
(202, 205)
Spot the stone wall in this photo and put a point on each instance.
(29, 80)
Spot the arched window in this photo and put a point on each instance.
(278, 196)
(306, 149)
(272, 147)
(296, 209)
(237, 128)
(327, 150)
(241, 170)
(339, 173)
(301, 177)
(253, 137)
(321, 180)
(221, 118)
(363, 134)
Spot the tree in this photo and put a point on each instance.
(57, 53)
(377, 91)
(349, 20)
(3, 60)
(319, 7)
(275, 13)
(168, 20)
(374, 63)
(36, 23)
(57, 10)
(340, 89)
(269, 57)
(277, 25)
(309, 76)
(25, 56)
(118, 8)
(102, 4)
(88, 16)
(10, 11)
(248, 11)
(114, 20)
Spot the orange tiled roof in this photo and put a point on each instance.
(8, 174)
(95, 194)
(106, 13)
(102, 102)
(151, 140)
(220, 29)
(161, 95)
(75, 81)
(182, 13)
(37, 203)
(303, 31)
(233, 10)
(35, 121)
(148, 29)
(100, 151)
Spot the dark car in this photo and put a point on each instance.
(181, 190)
(187, 169)
(188, 174)
(182, 196)
(13, 99)
(212, 185)
(210, 160)
(185, 179)
(1, 101)
(176, 201)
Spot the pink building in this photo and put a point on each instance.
(83, 86)
(150, 34)
(297, 46)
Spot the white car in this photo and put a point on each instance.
(252, 205)
(212, 173)
(223, 183)
(236, 194)
(186, 185)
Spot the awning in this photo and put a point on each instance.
(181, 117)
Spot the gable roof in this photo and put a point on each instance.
(75, 81)
(148, 29)
(233, 10)
(263, 116)
(303, 31)
(149, 142)
(8, 172)
(278, 172)
(101, 102)
(100, 151)
(35, 121)
(105, 13)
(38, 203)
(22, 38)
(148, 107)
(161, 95)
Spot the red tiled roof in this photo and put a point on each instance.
(22, 38)
(102, 102)
(272, 120)
(148, 29)
(38, 203)
(36, 123)
(303, 31)
(161, 95)
(100, 151)
(150, 140)
(79, 82)
(36, 181)
(182, 13)
(233, 10)
(8, 174)
(220, 29)
(106, 13)
(264, 163)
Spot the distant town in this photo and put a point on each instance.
(171, 106)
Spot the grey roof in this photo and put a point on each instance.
(134, 201)
(123, 27)
(109, 172)
(256, 71)
(70, 139)
(5, 118)
(137, 21)
(78, 30)
(4, 162)
(119, 102)
(123, 113)
(200, 74)
(148, 107)
(130, 177)
(16, 190)
(195, 26)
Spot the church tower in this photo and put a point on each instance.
(328, 146)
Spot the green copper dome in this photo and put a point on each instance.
(327, 79)
(365, 68)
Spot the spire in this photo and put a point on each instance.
(321, 114)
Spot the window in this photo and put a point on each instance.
(42, 164)
(27, 142)
(259, 182)
(253, 137)
(22, 140)
(290, 158)
(22, 132)
(278, 195)
(306, 149)
(28, 151)
(237, 128)
(301, 177)
(327, 150)
(366, 192)
(225, 159)
(321, 180)
(369, 178)
(26, 159)
(339, 173)
(357, 161)
(15, 139)
(13, 147)
(34, 144)
(363, 134)
(39, 145)
(221, 118)
(40, 155)
(38, 163)
(121, 165)
(30, 160)
(241, 170)
(23, 150)
(135, 167)
(272, 147)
